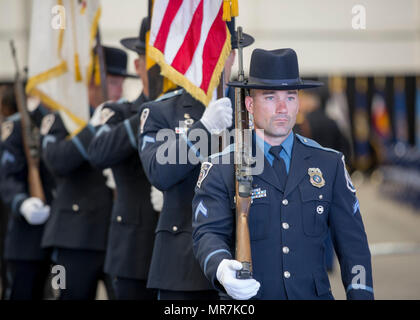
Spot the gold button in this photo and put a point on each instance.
(119, 218)
(75, 207)
(174, 228)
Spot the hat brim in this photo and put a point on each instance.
(134, 44)
(303, 84)
(247, 40)
(118, 72)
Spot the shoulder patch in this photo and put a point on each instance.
(47, 123)
(312, 143)
(349, 183)
(106, 114)
(205, 169)
(143, 118)
(6, 130)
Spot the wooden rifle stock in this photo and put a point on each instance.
(243, 177)
(30, 136)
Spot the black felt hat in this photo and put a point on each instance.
(246, 41)
(138, 44)
(274, 69)
(116, 62)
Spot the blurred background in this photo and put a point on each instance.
(367, 52)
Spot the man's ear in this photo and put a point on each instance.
(249, 104)
(137, 63)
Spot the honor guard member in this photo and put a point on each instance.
(133, 221)
(174, 270)
(80, 214)
(27, 265)
(303, 191)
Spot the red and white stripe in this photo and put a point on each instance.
(191, 35)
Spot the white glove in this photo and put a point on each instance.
(96, 118)
(34, 211)
(239, 289)
(218, 116)
(110, 181)
(156, 198)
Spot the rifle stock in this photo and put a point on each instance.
(30, 135)
(243, 177)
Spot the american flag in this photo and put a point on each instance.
(190, 41)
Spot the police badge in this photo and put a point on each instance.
(316, 178)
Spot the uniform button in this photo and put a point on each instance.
(119, 218)
(320, 209)
(286, 250)
(285, 202)
(174, 228)
(287, 274)
(321, 196)
(75, 207)
(285, 225)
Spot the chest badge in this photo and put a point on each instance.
(316, 178)
(257, 193)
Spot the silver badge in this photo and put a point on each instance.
(320, 209)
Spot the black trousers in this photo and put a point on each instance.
(132, 289)
(188, 295)
(83, 270)
(26, 280)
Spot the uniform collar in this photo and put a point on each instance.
(287, 147)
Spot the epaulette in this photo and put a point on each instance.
(230, 148)
(312, 143)
(171, 94)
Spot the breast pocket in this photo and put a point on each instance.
(259, 219)
(315, 209)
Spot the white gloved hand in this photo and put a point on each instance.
(96, 118)
(239, 289)
(156, 198)
(34, 211)
(218, 115)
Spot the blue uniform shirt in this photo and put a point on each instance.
(285, 154)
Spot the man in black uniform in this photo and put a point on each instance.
(133, 220)
(174, 271)
(80, 214)
(27, 265)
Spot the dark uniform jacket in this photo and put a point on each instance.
(173, 264)
(133, 222)
(81, 211)
(287, 225)
(23, 241)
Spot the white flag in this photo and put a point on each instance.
(61, 58)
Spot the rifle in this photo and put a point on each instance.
(30, 135)
(243, 175)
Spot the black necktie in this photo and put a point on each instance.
(279, 165)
